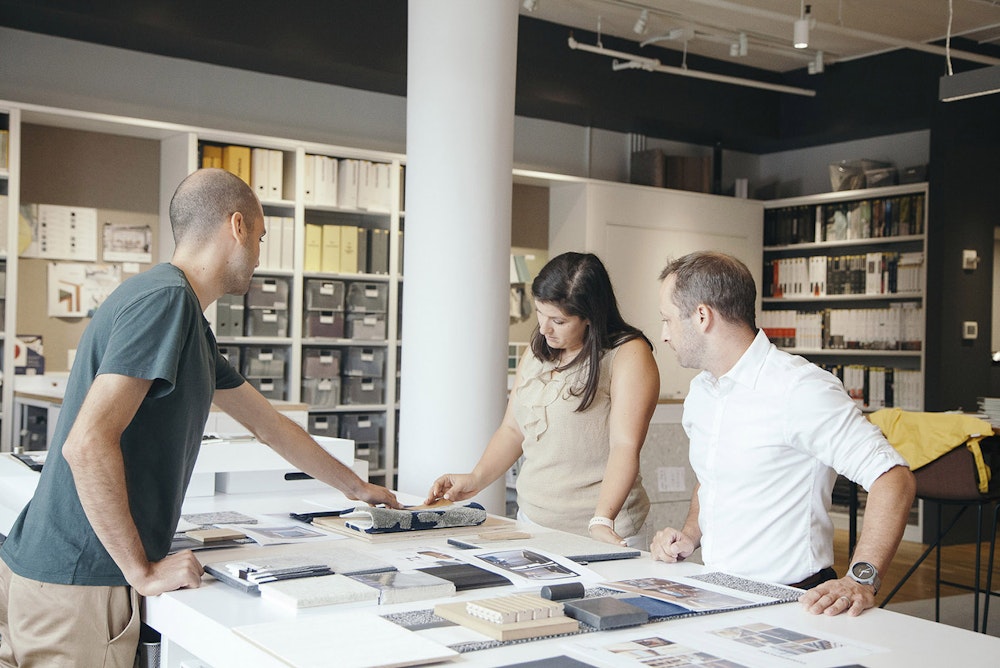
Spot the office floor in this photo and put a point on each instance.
(957, 565)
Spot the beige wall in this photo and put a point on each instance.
(118, 176)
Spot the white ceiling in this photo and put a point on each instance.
(844, 29)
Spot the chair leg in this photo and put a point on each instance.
(979, 543)
(989, 566)
(930, 548)
(937, 565)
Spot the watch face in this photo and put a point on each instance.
(863, 571)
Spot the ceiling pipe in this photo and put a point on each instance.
(654, 65)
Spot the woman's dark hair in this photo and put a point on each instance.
(578, 285)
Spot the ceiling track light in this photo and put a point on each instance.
(530, 5)
(632, 62)
(800, 31)
(640, 23)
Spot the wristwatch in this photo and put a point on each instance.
(865, 573)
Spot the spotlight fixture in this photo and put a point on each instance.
(800, 33)
(739, 47)
(640, 23)
(816, 65)
(530, 5)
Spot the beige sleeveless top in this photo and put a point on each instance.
(566, 453)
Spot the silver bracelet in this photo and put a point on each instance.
(603, 521)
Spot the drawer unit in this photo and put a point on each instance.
(357, 390)
(267, 322)
(261, 362)
(323, 392)
(324, 324)
(366, 362)
(365, 326)
(268, 292)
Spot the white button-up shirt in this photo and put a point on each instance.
(767, 441)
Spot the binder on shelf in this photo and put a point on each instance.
(347, 183)
(332, 253)
(287, 243)
(211, 156)
(349, 249)
(309, 179)
(260, 172)
(236, 159)
(275, 174)
(314, 248)
(378, 252)
(366, 184)
(362, 250)
(326, 177)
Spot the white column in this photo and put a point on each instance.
(459, 156)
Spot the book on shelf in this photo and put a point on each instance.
(211, 156)
(332, 254)
(260, 171)
(362, 253)
(347, 183)
(349, 249)
(314, 248)
(275, 174)
(309, 178)
(237, 159)
(287, 259)
(378, 251)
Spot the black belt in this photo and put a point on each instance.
(819, 577)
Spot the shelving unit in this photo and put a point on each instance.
(362, 408)
(855, 300)
(180, 154)
(10, 121)
(878, 369)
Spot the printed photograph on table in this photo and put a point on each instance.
(528, 564)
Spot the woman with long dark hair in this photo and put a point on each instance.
(579, 410)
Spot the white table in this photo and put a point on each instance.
(198, 623)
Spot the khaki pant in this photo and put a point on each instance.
(43, 624)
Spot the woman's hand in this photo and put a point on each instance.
(606, 534)
(454, 487)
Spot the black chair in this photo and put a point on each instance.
(952, 481)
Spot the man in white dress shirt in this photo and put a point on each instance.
(769, 433)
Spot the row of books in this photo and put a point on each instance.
(277, 250)
(898, 327)
(344, 183)
(875, 387)
(348, 184)
(347, 249)
(900, 215)
(879, 273)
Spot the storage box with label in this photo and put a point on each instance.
(324, 295)
(267, 322)
(355, 390)
(272, 388)
(323, 424)
(324, 324)
(365, 326)
(362, 428)
(321, 392)
(367, 297)
(268, 292)
(320, 362)
(367, 362)
(264, 362)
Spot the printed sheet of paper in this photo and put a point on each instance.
(732, 641)
(307, 642)
(75, 290)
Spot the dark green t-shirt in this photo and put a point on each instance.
(151, 327)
